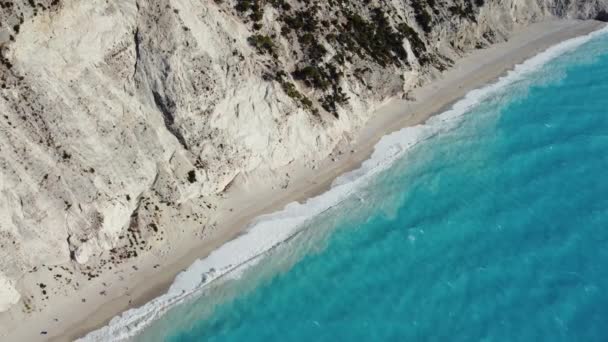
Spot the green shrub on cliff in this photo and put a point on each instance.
(262, 43)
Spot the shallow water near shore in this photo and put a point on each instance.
(492, 230)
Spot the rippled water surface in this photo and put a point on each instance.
(496, 230)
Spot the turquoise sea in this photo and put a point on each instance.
(493, 230)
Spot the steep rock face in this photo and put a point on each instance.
(110, 108)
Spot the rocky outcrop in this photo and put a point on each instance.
(8, 294)
(116, 113)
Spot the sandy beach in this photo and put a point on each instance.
(67, 318)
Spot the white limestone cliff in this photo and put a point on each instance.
(108, 106)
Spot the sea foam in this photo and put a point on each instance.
(268, 231)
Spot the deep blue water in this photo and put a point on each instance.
(494, 231)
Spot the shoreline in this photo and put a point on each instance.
(471, 72)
